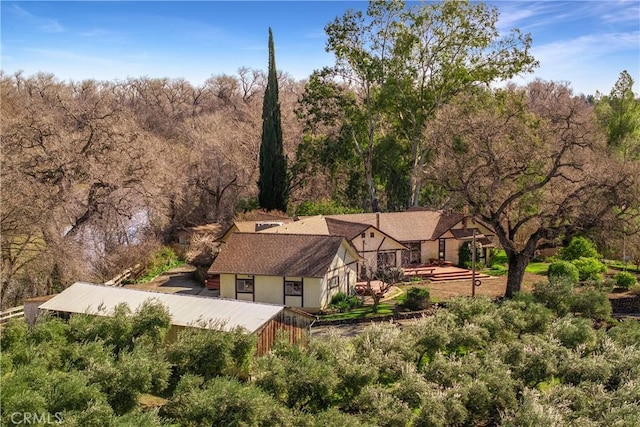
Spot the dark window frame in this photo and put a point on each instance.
(288, 284)
(244, 280)
(333, 282)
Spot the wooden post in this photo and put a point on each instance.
(473, 264)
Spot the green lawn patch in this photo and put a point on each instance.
(619, 265)
(537, 268)
(361, 312)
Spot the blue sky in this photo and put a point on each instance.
(587, 43)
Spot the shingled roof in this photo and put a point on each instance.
(350, 230)
(408, 226)
(294, 255)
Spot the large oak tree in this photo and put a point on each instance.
(532, 164)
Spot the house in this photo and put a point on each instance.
(376, 248)
(295, 270)
(264, 320)
(429, 236)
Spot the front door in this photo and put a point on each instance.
(441, 249)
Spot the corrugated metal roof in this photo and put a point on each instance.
(186, 310)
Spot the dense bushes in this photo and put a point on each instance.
(579, 247)
(342, 302)
(563, 298)
(478, 362)
(563, 270)
(625, 280)
(589, 268)
(417, 299)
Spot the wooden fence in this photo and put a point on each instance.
(11, 313)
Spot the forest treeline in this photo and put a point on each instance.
(96, 174)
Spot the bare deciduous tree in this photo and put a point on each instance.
(531, 163)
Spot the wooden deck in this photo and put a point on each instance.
(441, 274)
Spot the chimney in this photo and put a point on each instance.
(378, 220)
(465, 212)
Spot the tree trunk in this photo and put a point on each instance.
(371, 186)
(518, 262)
(414, 174)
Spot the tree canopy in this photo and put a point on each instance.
(394, 68)
(532, 164)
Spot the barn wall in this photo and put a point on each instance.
(293, 324)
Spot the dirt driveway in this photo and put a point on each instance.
(492, 287)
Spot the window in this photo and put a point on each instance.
(334, 282)
(244, 285)
(412, 256)
(293, 288)
(386, 259)
(371, 234)
(363, 235)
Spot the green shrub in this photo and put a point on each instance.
(625, 280)
(417, 299)
(579, 247)
(160, 261)
(324, 207)
(225, 402)
(555, 295)
(211, 353)
(343, 303)
(563, 270)
(465, 256)
(591, 303)
(574, 331)
(589, 268)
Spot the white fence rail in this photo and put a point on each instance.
(11, 313)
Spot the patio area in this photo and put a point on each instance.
(442, 274)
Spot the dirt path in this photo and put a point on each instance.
(492, 287)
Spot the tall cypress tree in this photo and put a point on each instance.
(273, 184)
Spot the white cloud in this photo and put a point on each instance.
(43, 24)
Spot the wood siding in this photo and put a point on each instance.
(295, 325)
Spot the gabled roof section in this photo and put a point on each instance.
(445, 222)
(185, 310)
(350, 230)
(408, 226)
(269, 254)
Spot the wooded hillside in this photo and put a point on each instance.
(95, 175)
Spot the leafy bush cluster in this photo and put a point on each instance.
(477, 362)
(581, 254)
(160, 261)
(323, 207)
(563, 270)
(625, 280)
(343, 302)
(417, 299)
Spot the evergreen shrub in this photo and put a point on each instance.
(625, 280)
(563, 270)
(579, 247)
(589, 268)
(417, 299)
